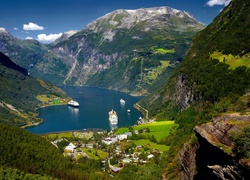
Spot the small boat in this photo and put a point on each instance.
(122, 101)
(73, 103)
(128, 110)
(113, 118)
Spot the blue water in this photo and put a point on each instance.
(95, 103)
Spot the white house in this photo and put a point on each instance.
(124, 135)
(150, 156)
(70, 148)
(110, 140)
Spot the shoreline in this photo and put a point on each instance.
(79, 130)
(33, 124)
(64, 102)
(41, 121)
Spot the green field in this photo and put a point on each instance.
(163, 51)
(159, 129)
(153, 73)
(96, 153)
(232, 61)
(58, 135)
(150, 145)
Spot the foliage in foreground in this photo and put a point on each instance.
(243, 143)
(32, 154)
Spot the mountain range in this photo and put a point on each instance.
(125, 50)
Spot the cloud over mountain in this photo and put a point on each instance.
(48, 38)
(218, 2)
(32, 27)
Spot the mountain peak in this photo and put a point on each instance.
(149, 17)
(4, 31)
(65, 36)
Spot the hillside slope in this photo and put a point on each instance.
(28, 156)
(25, 53)
(212, 80)
(18, 93)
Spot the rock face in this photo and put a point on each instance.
(187, 160)
(215, 158)
(221, 129)
(183, 95)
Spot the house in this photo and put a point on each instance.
(150, 156)
(70, 148)
(124, 136)
(110, 140)
(91, 146)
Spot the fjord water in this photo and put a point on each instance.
(95, 104)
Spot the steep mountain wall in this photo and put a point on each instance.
(212, 79)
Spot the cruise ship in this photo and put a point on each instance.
(113, 118)
(73, 103)
(122, 101)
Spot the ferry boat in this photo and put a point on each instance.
(113, 118)
(73, 103)
(122, 101)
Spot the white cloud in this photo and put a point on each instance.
(29, 37)
(48, 38)
(218, 2)
(32, 27)
(15, 28)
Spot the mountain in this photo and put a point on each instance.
(18, 94)
(208, 97)
(126, 50)
(65, 36)
(25, 53)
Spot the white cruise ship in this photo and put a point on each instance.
(73, 103)
(122, 101)
(113, 118)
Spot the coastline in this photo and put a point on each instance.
(33, 124)
(41, 121)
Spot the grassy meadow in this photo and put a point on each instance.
(159, 130)
(232, 61)
(150, 145)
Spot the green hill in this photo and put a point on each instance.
(212, 79)
(18, 93)
(25, 155)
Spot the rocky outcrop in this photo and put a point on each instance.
(220, 130)
(215, 158)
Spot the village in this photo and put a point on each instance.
(116, 148)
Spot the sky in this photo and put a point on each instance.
(46, 20)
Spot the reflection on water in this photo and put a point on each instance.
(113, 126)
(74, 111)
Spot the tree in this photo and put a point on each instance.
(243, 142)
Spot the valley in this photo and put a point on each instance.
(135, 145)
(195, 97)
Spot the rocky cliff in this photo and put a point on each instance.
(216, 153)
